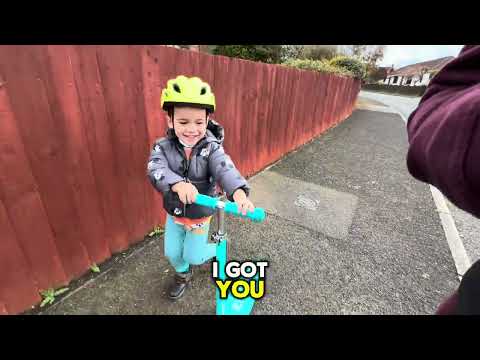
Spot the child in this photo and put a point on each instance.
(188, 161)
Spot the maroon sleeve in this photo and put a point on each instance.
(444, 132)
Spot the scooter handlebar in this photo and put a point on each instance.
(257, 215)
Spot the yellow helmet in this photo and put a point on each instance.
(188, 91)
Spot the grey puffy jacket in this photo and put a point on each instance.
(208, 165)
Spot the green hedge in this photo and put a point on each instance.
(264, 53)
(318, 65)
(353, 65)
(396, 89)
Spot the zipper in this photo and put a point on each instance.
(187, 181)
(185, 174)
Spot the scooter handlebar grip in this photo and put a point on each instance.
(258, 215)
(207, 201)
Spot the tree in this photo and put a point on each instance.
(370, 55)
(359, 51)
(291, 52)
(375, 55)
(319, 52)
(355, 66)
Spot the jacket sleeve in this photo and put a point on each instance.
(158, 171)
(224, 171)
(444, 132)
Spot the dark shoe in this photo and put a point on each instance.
(180, 282)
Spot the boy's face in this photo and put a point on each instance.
(190, 124)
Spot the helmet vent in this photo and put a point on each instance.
(203, 91)
(176, 88)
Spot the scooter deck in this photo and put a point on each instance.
(230, 305)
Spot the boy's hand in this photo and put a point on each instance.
(242, 202)
(186, 192)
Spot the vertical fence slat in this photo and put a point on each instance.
(270, 119)
(277, 130)
(309, 106)
(221, 87)
(139, 136)
(238, 95)
(318, 104)
(336, 100)
(264, 93)
(3, 309)
(156, 122)
(233, 135)
(331, 89)
(280, 138)
(291, 125)
(290, 122)
(248, 117)
(206, 70)
(254, 144)
(18, 289)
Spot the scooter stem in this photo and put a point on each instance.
(221, 222)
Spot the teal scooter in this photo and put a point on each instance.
(230, 305)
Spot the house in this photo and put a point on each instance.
(380, 73)
(196, 48)
(416, 74)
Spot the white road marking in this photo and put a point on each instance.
(460, 257)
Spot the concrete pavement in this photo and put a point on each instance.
(349, 231)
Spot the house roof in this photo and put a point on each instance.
(415, 69)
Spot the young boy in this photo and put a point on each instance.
(188, 161)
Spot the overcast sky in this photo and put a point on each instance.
(402, 55)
